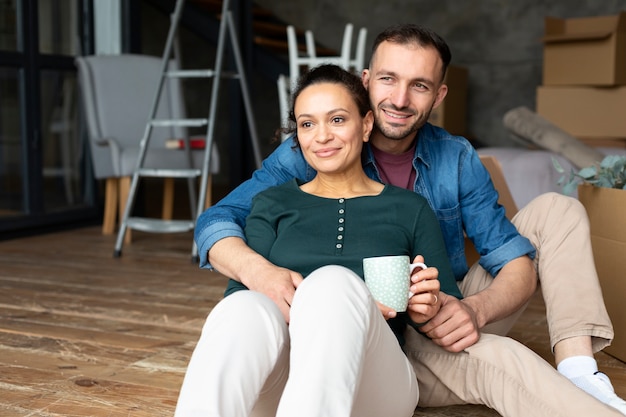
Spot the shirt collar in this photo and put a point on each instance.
(422, 150)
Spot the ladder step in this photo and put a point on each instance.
(169, 173)
(159, 226)
(179, 122)
(199, 73)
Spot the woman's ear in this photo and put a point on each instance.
(368, 125)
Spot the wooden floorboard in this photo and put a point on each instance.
(86, 334)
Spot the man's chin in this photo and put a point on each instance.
(395, 133)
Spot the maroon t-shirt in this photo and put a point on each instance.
(396, 169)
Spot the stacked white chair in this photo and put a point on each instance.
(299, 62)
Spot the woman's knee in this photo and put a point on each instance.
(330, 281)
(247, 310)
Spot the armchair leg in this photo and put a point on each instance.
(167, 212)
(110, 206)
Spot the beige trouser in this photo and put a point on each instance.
(502, 373)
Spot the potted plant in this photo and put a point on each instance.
(610, 173)
(601, 189)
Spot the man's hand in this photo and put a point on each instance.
(458, 323)
(454, 327)
(233, 258)
(277, 283)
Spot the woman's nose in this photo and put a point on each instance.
(324, 134)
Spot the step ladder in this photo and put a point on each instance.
(226, 28)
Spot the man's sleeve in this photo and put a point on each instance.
(227, 218)
(496, 239)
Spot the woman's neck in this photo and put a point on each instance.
(342, 185)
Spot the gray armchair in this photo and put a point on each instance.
(117, 92)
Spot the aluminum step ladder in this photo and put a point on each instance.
(227, 28)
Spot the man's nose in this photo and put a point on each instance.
(400, 97)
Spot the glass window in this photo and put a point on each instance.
(57, 27)
(8, 26)
(11, 160)
(61, 144)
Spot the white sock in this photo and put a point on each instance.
(576, 366)
(583, 372)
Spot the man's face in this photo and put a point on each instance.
(404, 84)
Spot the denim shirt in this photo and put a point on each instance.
(449, 175)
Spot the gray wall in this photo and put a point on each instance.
(499, 41)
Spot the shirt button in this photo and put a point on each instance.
(339, 237)
(341, 211)
(340, 220)
(341, 200)
(338, 245)
(340, 229)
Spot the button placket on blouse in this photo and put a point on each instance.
(340, 225)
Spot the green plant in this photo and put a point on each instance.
(610, 173)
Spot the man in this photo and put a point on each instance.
(457, 357)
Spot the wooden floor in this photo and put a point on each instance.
(84, 334)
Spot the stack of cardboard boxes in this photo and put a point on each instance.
(584, 78)
(584, 93)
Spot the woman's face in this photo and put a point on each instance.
(330, 129)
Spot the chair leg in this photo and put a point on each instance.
(123, 199)
(110, 206)
(167, 212)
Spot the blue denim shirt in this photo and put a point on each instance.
(449, 174)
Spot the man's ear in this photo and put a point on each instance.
(442, 91)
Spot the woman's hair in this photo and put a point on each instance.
(405, 34)
(332, 74)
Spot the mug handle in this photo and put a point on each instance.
(415, 265)
(412, 267)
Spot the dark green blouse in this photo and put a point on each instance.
(303, 232)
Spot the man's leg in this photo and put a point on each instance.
(558, 228)
(578, 321)
(500, 373)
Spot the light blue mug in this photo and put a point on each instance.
(389, 278)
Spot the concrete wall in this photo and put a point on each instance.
(497, 40)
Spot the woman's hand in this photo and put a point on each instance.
(388, 312)
(425, 302)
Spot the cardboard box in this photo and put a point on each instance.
(452, 112)
(605, 207)
(593, 112)
(585, 51)
(604, 142)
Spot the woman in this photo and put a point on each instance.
(337, 356)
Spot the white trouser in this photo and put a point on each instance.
(338, 357)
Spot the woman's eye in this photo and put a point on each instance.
(337, 119)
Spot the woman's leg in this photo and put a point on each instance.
(345, 360)
(240, 361)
